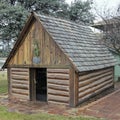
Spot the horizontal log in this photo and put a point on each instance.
(24, 97)
(20, 77)
(95, 93)
(57, 102)
(97, 82)
(59, 82)
(93, 74)
(64, 71)
(58, 92)
(20, 82)
(58, 76)
(58, 87)
(104, 87)
(58, 98)
(93, 89)
(20, 69)
(20, 86)
(93, 71)
(20, 91)
(96, 78)
(20, 73)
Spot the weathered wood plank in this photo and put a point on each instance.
(58, 92)
(93, 89)
(59, 82)
(20, 91)
(20, 73)
(93, 74)
(9, 80)
(58, 76)
(57, 102)
(76, 88)
(94, 93)
(20, 86)
(93, 82)
(97, 82)
(63, 71)
(72, 87)
(58, 87)
(90, 80)
(19, 96)
(20, 82)
(20, 69)
(19, 77)
(58, 98)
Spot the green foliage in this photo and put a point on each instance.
(36, 49)
(80, 11)
(3, 82)
(12, 19)
(13, 14)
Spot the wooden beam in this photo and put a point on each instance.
(72, 87)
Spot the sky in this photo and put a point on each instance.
(108, 3)
(102, 5)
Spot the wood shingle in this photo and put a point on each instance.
(79, 43)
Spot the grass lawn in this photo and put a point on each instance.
(5, 115)
(3, 82)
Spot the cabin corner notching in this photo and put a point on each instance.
(58, 61)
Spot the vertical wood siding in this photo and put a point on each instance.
(48, 48)
(58, 86)
(91, 83)
(20, 83)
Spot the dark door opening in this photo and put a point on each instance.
(41, 84)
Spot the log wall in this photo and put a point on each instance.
(91, 83)
(20, 83)
(58, 86)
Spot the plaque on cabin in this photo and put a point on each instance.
(36, 60)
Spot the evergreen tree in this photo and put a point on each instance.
(12, 20)
(81, 11)
(13, 14)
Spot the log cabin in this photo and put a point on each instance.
(59, 62)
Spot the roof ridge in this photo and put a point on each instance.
(62, 19)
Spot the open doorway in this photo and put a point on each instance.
(38, 84)
(41, 84)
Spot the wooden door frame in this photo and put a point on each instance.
(32, 84)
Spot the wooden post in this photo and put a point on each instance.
(76, 88)
(73, 88)
(9, 81)
(32, 85)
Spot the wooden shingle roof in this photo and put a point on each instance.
(79, 43)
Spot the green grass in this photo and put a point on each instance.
(5, 115)
(3, 83)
